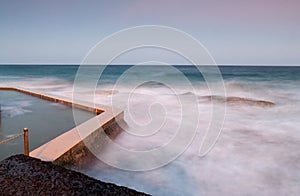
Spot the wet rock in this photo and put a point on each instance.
(239, 101)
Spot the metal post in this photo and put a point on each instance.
(26, 145)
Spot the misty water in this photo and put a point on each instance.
(256, 153)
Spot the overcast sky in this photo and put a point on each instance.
(234, 31)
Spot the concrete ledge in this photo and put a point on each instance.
(70, 147)
(80, 154)
(54, 99)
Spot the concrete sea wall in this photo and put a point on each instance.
(70, 147)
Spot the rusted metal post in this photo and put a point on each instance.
(26, 145)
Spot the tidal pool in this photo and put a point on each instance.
(44, 119)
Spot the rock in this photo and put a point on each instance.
(246, 101)
(239, 101)
(23, 175)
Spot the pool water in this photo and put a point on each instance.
(44, 119)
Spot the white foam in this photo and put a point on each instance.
(257, 153)
(15, 109)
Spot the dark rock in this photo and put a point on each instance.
(237, 101)
(23, 175)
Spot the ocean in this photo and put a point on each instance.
(257, 151)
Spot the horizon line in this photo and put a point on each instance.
(126, 64)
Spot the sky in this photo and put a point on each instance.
(233, 31)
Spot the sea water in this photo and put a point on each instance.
(257, 151)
